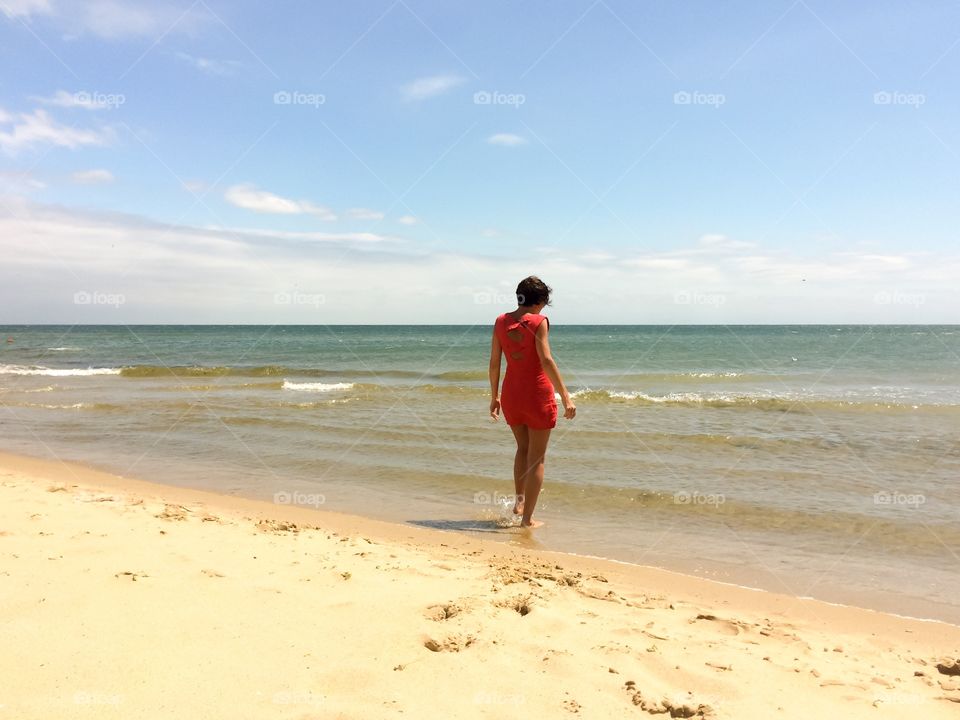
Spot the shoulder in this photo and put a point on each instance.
(540, 321)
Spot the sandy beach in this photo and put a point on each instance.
(121, 598)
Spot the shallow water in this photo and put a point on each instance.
(815, 460)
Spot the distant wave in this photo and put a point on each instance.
(316, 386)
(64, 349)
(56, 372)
(146, 371)
(780, 403)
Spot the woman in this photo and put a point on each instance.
(528, 401)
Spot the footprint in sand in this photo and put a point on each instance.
(451, 643)
(443, 611)
(173, 512)
(728, 627)
(522, 604)
(949, 666)
(680, 707)
(277, 526)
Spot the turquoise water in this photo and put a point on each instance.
(815, 460)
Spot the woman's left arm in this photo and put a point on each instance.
(496, 355)
(552, 371)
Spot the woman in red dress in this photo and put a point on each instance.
(528, 399)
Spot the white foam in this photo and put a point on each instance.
(316, 386)
(56, 372)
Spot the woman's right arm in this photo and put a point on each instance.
(496, 356)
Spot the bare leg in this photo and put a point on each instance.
(519, 465)
(533, 478)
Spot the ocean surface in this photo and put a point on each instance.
(818, 461)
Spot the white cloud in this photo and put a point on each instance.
(118, 19)
(113, 19)
(92, 177)
(194, 186)
(261, 201)
(25, 8)
(211, 66)
(365, 238)
(15, 181)
(364, 214)
(428, 87)
(38, 128)
(506, 139)
(407, 220)
(179, 273)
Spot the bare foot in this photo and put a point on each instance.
(518, 508)
(532, 524)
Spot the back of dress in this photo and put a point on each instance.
(528, 396)
(519, 342)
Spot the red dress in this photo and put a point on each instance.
(527, 397)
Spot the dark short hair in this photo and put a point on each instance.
(533, 291)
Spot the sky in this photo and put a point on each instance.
(410, 161)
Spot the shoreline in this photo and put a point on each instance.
(759, 577)
(124, 591)
(387, 529)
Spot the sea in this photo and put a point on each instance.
(814, 460)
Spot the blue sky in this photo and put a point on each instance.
(410, 161)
